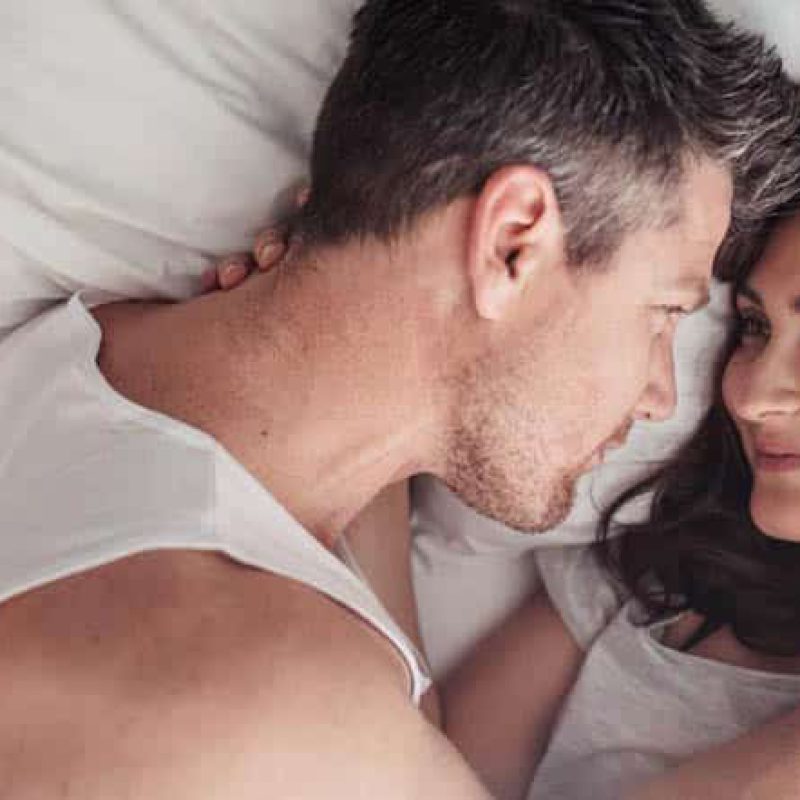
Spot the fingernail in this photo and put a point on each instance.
(234, 272)
(269, 253)
(267, 237)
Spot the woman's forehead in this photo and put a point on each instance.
(777, 273)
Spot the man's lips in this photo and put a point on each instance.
(619, 439)
(615, 442)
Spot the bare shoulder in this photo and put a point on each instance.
(184, 675)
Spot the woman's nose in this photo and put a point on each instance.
(766, 386)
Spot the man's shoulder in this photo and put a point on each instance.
(184, 670)
(185, 611)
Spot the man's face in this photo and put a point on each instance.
(540, 411)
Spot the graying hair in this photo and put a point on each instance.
(610, 97)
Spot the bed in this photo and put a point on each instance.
(143, 138)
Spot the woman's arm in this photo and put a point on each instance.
(763, 764)
(500, 704)
(380, 540)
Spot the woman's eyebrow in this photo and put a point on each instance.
(751, 294)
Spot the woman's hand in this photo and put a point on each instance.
(269, 250)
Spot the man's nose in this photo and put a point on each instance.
(660, 396)
(768, 386)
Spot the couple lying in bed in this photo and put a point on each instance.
(512, 206)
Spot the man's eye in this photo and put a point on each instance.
(664, 316)
(748, 326)
(672, 313)
(675, 311)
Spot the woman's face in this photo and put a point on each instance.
(761, 386)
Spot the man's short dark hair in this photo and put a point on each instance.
(610, 97)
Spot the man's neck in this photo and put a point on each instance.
(294, 378)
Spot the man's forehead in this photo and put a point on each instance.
(706, 198)
(695, 239)
(669, 260)
(682, 268)
(680, 255)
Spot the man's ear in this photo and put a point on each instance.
(516, 237)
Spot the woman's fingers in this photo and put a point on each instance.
(228, 273)
(271, 244)
(209, 281)
(233, 273)
(270, 248)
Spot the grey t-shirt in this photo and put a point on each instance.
(637, 707)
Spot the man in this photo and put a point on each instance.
(513, 204)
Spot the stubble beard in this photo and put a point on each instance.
(500, 456)
(510, 487)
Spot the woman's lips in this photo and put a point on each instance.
(777, 462)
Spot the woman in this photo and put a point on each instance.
(684, 633)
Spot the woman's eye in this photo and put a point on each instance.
(749, 325)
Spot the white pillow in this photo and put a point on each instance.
(139, 137)
(778, 20)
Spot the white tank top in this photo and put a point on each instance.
(87, 477)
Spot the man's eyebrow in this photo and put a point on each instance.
(702, 301)
(700, 290)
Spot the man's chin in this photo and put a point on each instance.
(545, 516)
(591, 463)
(550, 519)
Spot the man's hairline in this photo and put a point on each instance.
(675, 213)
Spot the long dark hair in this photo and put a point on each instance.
(699, 549)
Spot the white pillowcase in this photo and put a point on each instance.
(139, 137)
(778, 20)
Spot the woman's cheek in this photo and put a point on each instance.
(732, 384)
